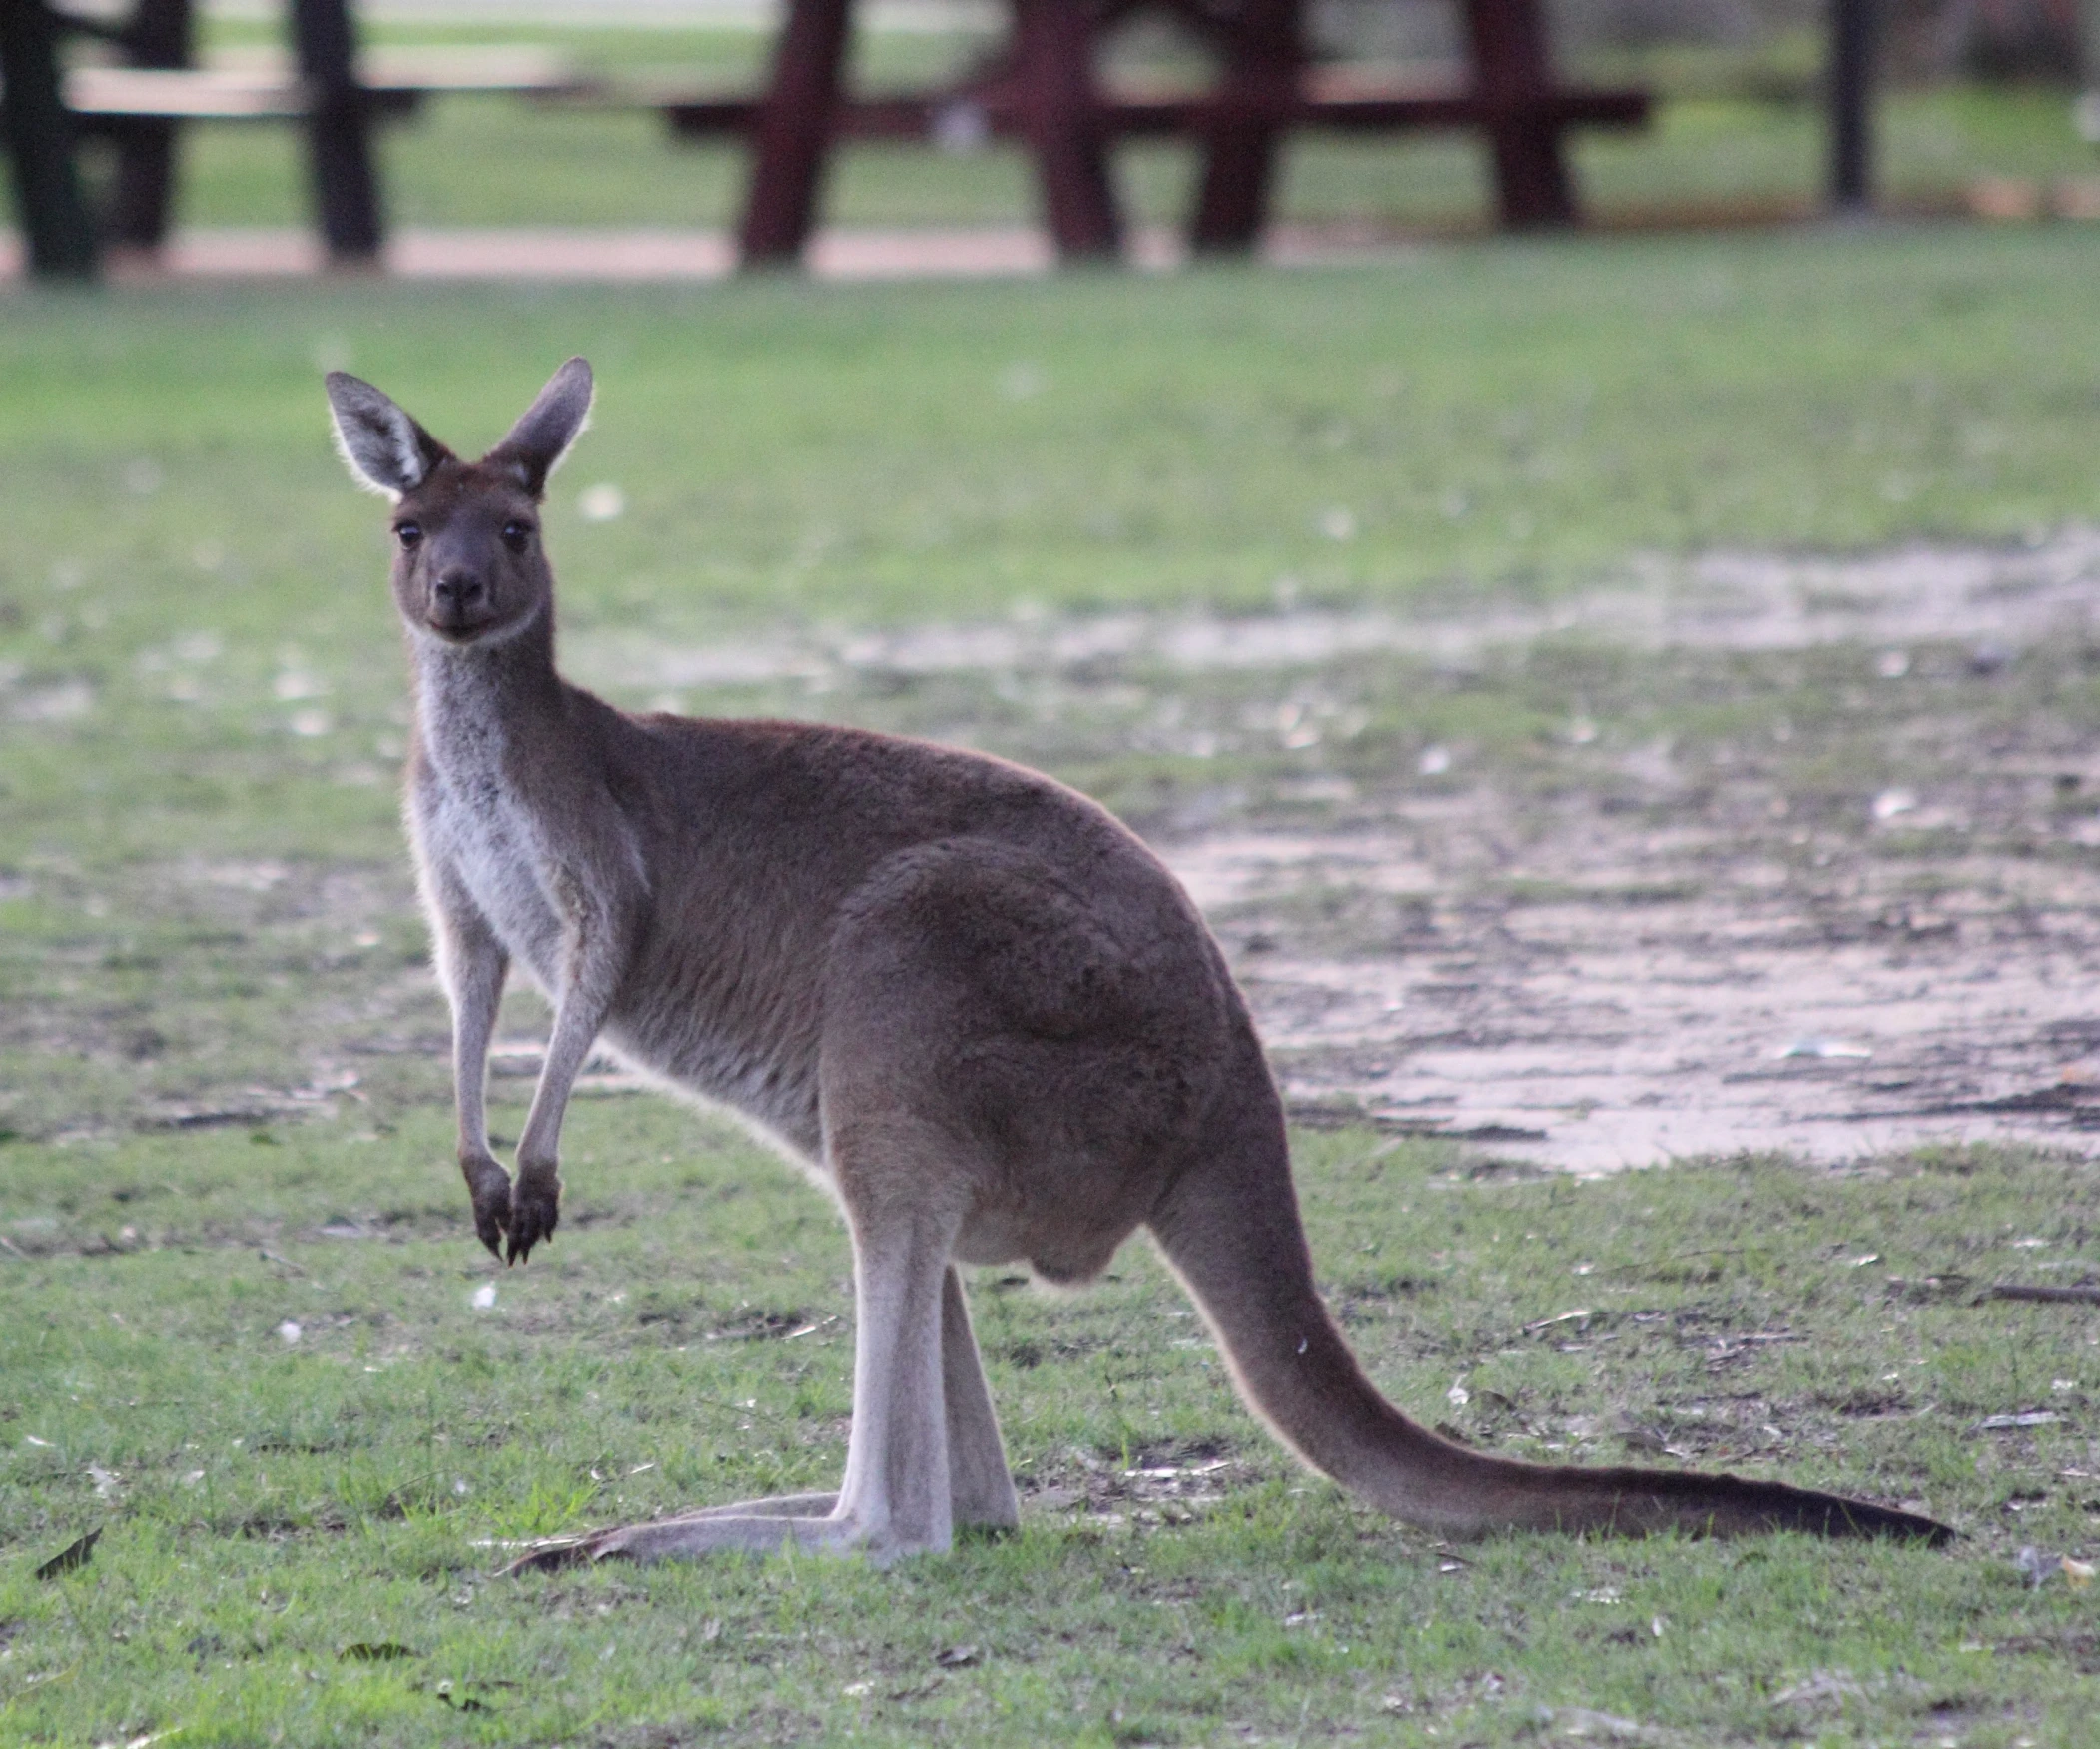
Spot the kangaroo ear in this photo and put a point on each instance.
(539, 441)
(385, 450)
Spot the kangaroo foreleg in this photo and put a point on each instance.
(595, 962)
(472, 965)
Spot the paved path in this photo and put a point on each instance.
(587, 255)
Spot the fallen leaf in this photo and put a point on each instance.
(956, 1657)
(73, 1557)
(2078, 1574)
(2030, 1418)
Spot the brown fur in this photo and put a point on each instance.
(963, 997)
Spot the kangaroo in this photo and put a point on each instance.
(967, 999)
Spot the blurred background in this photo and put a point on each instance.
(1977, 114)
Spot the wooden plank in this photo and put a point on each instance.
(1059, 115)
(144, 189)
(1853, 30)
(918, 118)
(792, 131)
(39, 135)
(267, 88)
(188, 94)
(339, 132)
(1512, 70)
(1264, 54)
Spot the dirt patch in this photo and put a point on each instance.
(1605, 996)
(1655, 964)
(1998, 601)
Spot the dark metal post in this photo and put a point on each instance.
(1851, 78)
(38, 130)
(159, 36)
(1053, 54)
(339, 132)
(794, 134)
(1511, 68)
(1263, 61)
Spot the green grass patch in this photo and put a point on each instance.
(299, 1537)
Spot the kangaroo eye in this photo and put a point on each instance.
(515, 535)
(409, 534)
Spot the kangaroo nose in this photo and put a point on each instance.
(459, 589)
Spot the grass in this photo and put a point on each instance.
(268, 1506)
(203, 914)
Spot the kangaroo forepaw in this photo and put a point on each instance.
(489, 1186)
(535, 1212)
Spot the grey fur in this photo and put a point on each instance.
(969, 1002)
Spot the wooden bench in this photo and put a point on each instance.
(323, 83)
(265, 86)
(141, 107)
(1042, 90)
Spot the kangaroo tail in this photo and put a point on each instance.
(1229, 1228)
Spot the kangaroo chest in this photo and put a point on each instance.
(474, 824)
(494, 848)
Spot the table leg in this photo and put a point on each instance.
(1852, 33)
(338, 133)
(1510, 63)
(159, 36)
(1265, 56)
(1054, 59)
(56, 223)
(793, 140)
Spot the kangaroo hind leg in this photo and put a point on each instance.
(897, 1496)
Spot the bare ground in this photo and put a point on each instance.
(1617, 976)
(1666, 993)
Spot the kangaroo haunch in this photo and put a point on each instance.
(965, 997)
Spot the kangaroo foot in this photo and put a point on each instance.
(630, 1543)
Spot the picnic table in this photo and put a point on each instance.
(1042, 89)
(323, 83)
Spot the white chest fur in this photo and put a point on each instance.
(472, 822)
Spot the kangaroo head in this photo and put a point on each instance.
(468, 567)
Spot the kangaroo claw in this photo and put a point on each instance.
(489, 1186)
(535, 1211)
